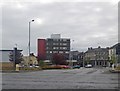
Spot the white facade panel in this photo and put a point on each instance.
(55, 36)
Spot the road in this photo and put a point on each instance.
(83, 78)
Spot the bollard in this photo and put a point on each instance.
(17, 67)
(113, 67)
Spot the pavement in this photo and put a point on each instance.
(83, 78)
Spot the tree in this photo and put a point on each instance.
(15, 56)
(87, 61)
(113, 59)
(42, 63)
(58, 59)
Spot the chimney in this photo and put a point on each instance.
(88, 48)
(99, 47)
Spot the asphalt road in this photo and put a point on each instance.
(83, 78)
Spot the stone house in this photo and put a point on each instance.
(97, 56)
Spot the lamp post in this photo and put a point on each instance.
(29, 38)
(71, 53)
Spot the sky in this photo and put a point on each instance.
(90, 23)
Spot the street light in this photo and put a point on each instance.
(29, 37)
(72, 49)
(71, 53)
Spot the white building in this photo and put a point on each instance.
(114, 52)
(29, 61)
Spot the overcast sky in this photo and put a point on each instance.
(89, 24)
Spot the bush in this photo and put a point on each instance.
(42, 63)
(58, 59)
(30, 68)
(52, 67)
(117, 68)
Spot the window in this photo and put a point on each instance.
(55, 51)
(55, 43)
(97, 63)
(64, 43)
(60, 51)
(64, 40)
(64, 47)
(55, 47)
(61, 48)
(60, 39)
(61, 43)
(55, 39)
(66, 52)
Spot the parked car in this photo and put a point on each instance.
(64, 66)
(76, 66)
(36, 66)
(88, 66)
(30, 66)
(104, 66)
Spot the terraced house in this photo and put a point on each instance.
(97, 56)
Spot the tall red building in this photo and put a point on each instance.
(41, 49)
